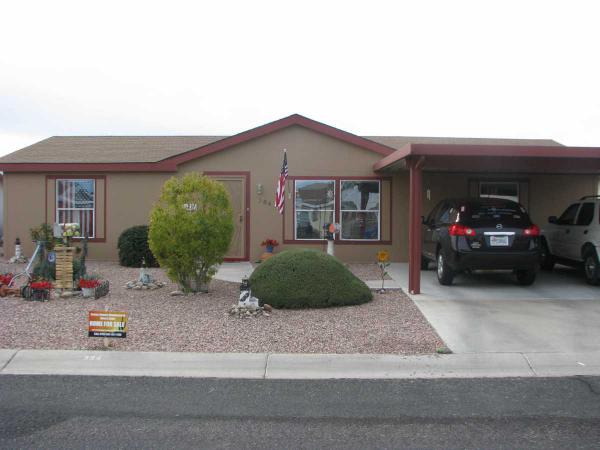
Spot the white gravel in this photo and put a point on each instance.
(391, 323)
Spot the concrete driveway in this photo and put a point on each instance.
(490, 313)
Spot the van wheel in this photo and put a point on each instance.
(547, 259)
(591, 268)
(525, 277)
(424, 263)
(445, 274)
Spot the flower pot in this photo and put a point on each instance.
(269, 249)
(88, 292)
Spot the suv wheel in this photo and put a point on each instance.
(525, 277)
(445, 275)
(547, 260)
(591, 268)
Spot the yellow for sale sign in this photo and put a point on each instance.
(107, 324)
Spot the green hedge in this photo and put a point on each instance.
(307, 279)
(133, 246)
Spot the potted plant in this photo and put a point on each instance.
(69, 231)
(40, 290)
(88, 286)
(269, 244)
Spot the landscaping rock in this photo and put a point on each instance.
(176, 293)
(267, 307)
(246, 312)
(139, 285)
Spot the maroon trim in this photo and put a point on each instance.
(75, 177)
(414, 225)
(170, 164)
(247, 200)
(338, 241)
(501, 157)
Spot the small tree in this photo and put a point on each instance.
(190, 229)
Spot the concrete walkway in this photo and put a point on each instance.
(295, 366)
(235, 271)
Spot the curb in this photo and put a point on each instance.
(296, 366)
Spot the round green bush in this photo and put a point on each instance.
(307, 279)
(133, 247)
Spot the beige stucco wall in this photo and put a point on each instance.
(129, 196)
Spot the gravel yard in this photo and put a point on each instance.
(391, 323)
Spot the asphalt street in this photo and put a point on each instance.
(139, 412)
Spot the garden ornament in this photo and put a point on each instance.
(144, 277)
(246, 298)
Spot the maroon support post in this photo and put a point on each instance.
(414, 227)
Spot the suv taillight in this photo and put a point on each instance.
(457, 229)
(532, 231)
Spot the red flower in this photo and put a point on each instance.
(89, 284)
(6, 278)
(41, 285)
(269, 243)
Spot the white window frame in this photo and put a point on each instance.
(93, 209)
(342, 211)
(505, 197)
(296, 210)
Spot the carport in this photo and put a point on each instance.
(502, 160)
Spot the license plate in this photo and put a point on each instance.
(499, 241)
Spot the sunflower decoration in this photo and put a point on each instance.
(383, 261)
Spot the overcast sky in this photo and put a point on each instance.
(528, 69)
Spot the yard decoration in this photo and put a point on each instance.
(144, 281)
(307, 279)
(191, 227)
(40, 290)
(64, 267)
(383, 262)
(19, 257)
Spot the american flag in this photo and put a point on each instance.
(280, 194)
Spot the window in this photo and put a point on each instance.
(76, 203)
(507, 190)
(315, 207)
(568, 216)
(586, 214)
(360, 210)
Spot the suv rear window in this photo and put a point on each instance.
(490, 213)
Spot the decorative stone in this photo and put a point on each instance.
(176, 293)
(66, 294)
(137, 285)
(267, 307)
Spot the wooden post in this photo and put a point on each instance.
(64, 267)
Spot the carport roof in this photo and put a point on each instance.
(494, 158)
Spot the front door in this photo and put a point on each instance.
(236, 186)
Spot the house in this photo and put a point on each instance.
(371, 185)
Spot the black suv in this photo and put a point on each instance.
(480, 234)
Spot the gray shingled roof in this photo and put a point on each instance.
(122, 149)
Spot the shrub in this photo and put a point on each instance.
(307, 279)
(133, 247)
(191, 228)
